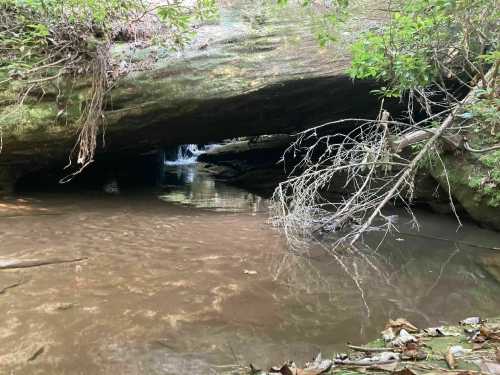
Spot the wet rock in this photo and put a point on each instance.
(255, 149)
(473, 180)
(253, 163)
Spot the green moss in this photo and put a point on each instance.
(472, 185)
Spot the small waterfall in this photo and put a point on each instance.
(187, 154)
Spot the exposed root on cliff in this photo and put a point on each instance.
(57, 45)
(92, 116)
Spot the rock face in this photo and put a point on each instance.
(252, 163)
(255, 71)
(473, 185)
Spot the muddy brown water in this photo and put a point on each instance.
(169, 287)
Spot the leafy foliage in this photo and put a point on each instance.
(42, 41)
(330, 13)
(429, 41)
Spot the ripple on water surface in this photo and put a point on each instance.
(169, 285)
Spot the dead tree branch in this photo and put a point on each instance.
(365, 166)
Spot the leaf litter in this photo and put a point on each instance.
(469, 348)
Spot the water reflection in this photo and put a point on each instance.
(189, 185)
(164, 289)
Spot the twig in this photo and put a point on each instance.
(4, 289)
(348, 362)
(481, 150)
(14, 264)
(35, 355)
(406, 174)
(367, 349)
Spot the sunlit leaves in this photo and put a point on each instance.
(426, 39)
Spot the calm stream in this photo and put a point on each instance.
(190, 278)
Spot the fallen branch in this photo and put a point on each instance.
(453, 141)
(348, 362)
(35, 355)
(28, 263)
(415, 162)
(366, 349)
(37, 214)
(480, 150)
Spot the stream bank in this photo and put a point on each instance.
(470, 347)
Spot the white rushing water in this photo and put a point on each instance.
(188, 154)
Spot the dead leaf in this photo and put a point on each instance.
(405, 371)
(390, 367)
(450, 359)
(414, 355)
(403, 339)
(400, 324)
(388, 334)
(291, 369)
(256, 371)
(478, 345)
(318, 365)
(285, 370)
(435, 332)
(490, 333)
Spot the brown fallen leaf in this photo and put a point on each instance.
(284, 370)
(255, 371)
(401, 323)
(478, 345)
(290, 369)
(390, 367)
(316, 367)
(479, 339)
(450, 359)
(388, 334)
(414, 355)
(490, 333)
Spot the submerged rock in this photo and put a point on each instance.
(491, 264)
